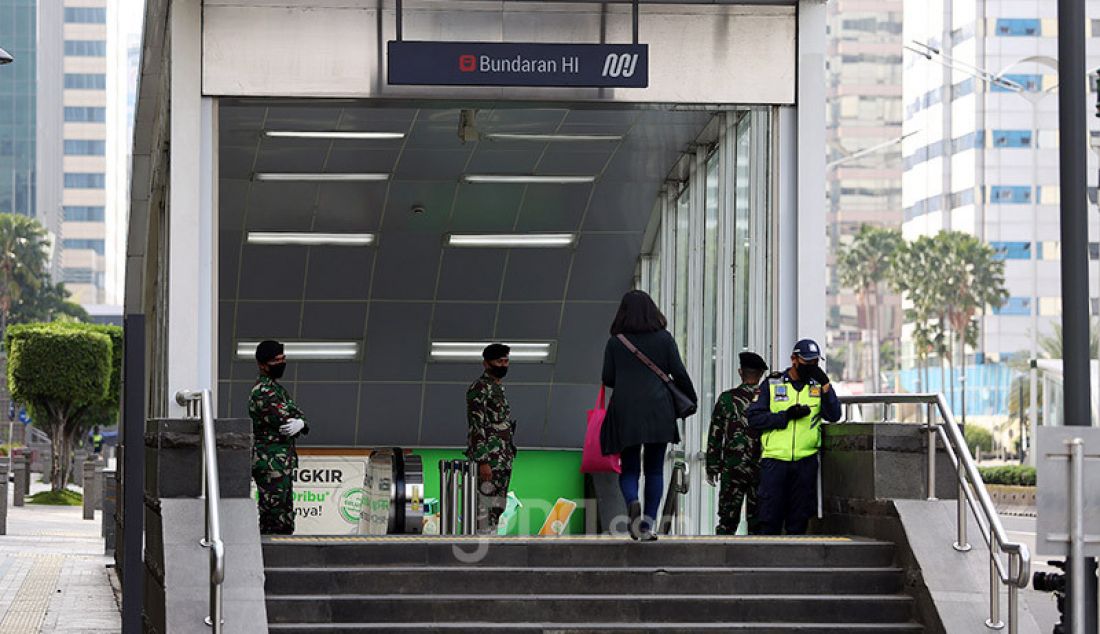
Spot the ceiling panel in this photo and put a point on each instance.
(330, 409)
(272, 272)
(463, 321)
(339, 273)
(266, 320)
(584, 333)
(349, 160)
(280, 155)
(553, 208)
(489, 159)
(349, 207)
(536, 274)
(333, 320)
(614, 256)
(397, 341)
(471, 274)
(444, 422)
(407, 266)
(436, 198)
(529, 321)
(278, 206)
(389, 414)
(486, 208)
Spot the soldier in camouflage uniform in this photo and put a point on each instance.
(276, 422)
(733, 450)
(491, 431)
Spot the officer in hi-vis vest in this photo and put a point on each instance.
(788, 411)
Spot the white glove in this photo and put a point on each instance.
(292, 427)
(711, 479)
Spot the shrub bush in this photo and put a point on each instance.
(1014, 475)
(978, 437)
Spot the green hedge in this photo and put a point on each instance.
(1015, 475)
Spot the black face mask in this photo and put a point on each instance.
(498, 372)
(276, 371)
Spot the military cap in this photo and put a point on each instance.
(752, 361)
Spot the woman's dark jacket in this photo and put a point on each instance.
(641, 409)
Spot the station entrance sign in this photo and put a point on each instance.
(517, 64)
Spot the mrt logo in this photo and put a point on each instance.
(467, 63)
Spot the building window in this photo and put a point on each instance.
(1012, 138)
(79, 114)
(1030, 83)
(1009, 27)
(1012, 250)
(76, 244)
(1050, 306)
(1009, 194)
(962, 198)
(86, 48)
(1014, 307)
(85, 180)
(81, 147)
(77, 276)
(84, 213)
(86, 15)
(85, 81)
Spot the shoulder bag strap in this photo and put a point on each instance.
(644, 359)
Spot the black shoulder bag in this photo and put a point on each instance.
(683, 405)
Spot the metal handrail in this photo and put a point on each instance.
(199, 405)
(972, 493)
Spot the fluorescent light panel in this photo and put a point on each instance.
(529, 351)
(527, 179)
(333, 134)
(511, 240)
(311, 239)
(307, 350)
(320, 176)
(554, 138)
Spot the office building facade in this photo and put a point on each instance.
(864, 119)
(981, 154)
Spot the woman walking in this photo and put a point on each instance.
(641, 418)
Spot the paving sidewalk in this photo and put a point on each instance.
(53, 574)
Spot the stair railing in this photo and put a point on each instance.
(199, 406)
(1014, 574)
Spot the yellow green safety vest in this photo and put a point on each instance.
(802, 437)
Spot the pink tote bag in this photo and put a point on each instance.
(592, 459)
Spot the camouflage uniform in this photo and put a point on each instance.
(273, 456)
(733, 455)
(490, 441)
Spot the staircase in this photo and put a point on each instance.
(683, 585)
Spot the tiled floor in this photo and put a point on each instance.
(53, 574)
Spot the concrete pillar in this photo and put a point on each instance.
(21, 477)
(100, 482)
(110, 504)
(88, 473)
(79, 457)
(4, 502)
(26, 454)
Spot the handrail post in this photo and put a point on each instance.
(1013, 592)
(1076, 559)
(931, 454)
(961, 544)
(994, 622)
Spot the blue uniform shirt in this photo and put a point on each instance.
(760, 413)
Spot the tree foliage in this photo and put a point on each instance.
(866, 266)
(68, 376)
(26, 292)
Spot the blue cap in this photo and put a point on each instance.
(807, 350)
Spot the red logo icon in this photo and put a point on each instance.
(467, 63)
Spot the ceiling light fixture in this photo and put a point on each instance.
(307, 350)
(320, 176)
(333, 134)
(527, 179)
(523, 352)
(311, 239)
(554, 138)
(511, 240)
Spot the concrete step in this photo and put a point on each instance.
(577, 580)
(754, 552)
(552, 608)
(600, 628)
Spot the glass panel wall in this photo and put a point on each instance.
(724, 307)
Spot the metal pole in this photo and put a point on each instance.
(1013, 593)
(961, 544)
(455, 470)
(994, 622)
(1072, 163)
(1077, 587)
(469, 496)
(931, 453)
(444, 518)
(1033, 372)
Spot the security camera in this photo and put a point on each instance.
(5, 57)
(417, 208)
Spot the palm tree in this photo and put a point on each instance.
(23, 262)
(866, 266)
(916, 275)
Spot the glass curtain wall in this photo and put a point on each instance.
(707, 269)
